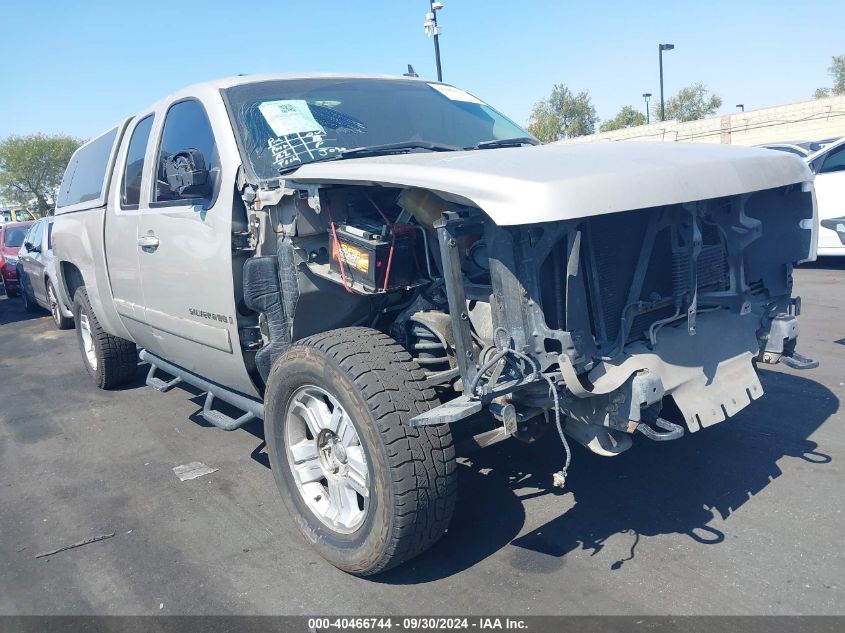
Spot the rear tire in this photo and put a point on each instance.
(10, 293)
(109, 360)
(62, 322)
(28, 304)
(410, 477)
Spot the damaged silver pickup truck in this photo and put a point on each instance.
(366, 263)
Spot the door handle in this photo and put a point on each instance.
(148, 241)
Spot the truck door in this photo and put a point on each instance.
(186, 255)
(121, 243)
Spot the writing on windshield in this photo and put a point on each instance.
(285, 123)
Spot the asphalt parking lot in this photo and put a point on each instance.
(743, 518)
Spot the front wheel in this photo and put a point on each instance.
(367, 490)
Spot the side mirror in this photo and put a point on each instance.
(187, 175)
(32, 248)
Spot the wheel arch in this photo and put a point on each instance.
(70, 281)
(66, 307)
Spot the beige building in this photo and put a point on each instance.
(805, 121)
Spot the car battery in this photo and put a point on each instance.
(365, 248)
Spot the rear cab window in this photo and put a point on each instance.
(85, 183)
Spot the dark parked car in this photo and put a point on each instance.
(37, 274)
(799, 148)
(11, 239)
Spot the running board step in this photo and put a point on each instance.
(159, 384)
(220, 419)
(253, 409)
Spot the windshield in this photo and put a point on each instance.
(283, 124)
(15, 235)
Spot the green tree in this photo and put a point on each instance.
(691, 103)
(563, 115)
(626, 117)
(31, 166)
(837, 71)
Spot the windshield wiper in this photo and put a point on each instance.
(397, 148)
(506, 142)
(402, 147)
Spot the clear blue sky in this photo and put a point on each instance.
(79, 66)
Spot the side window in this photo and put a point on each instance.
(27, 239)
(186, 126)
(36, 234)
(835, 161)
(130, 186)
(86, 173)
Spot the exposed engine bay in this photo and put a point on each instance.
(647, 320)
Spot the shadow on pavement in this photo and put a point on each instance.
(826, 263)
(11, 311)
(654, 488)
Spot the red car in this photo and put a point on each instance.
(11, 238)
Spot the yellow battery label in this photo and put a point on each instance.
(353, 256)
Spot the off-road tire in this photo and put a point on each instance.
(412, 472)
(61, 321)
(117, 358)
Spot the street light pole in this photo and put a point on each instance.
(661, 48)
(431, 29)
(647, 96)
(741, 107)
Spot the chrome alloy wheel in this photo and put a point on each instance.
(87, 341)
(54, 305)
(327, 460)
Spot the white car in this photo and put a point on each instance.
(829, 167)
(799, 148)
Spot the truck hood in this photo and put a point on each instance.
(525, 185)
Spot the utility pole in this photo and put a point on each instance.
(432, 30)
(661, 48)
